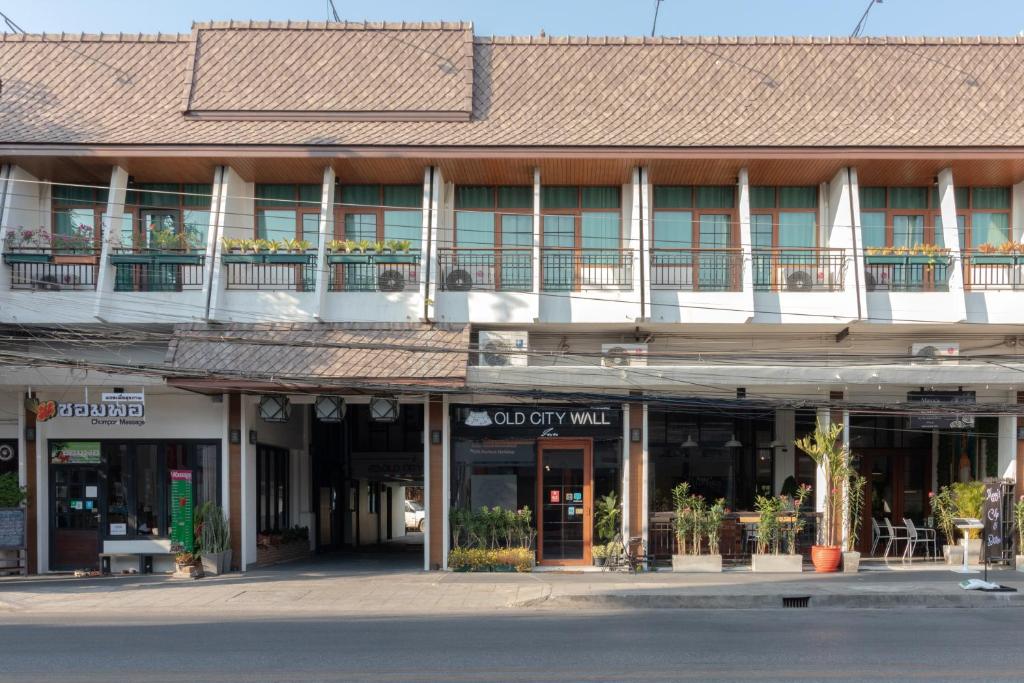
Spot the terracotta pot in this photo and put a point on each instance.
(825, 558)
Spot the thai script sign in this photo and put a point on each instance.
(948, 418)
(111, 414)
(75, 452)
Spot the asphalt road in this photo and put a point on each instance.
(655, 645)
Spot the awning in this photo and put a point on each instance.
(320, 357)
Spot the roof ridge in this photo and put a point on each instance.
(95, 37)
(749, 40)
(270, 25)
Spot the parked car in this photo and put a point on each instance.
(414, 515)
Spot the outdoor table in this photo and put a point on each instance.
(966, 524)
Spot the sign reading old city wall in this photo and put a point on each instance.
(946, 416)
(541, 421)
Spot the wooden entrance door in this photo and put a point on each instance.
(75, 517)
(564, 501)
(898, 483)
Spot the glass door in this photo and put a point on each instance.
(76, 517)
(565, 505)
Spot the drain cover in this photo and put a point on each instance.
(796, 602)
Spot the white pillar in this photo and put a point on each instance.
(746, 243)
(109, 236)
(631, 238)
(536, 231)
(1017, 212)
(1008, 447)
(785, 454)
(5, 226)
(433, 192)
(213, 233)
(647, 234)
(235, 219)
(325, 232)
(644, 501)
(841, 230)
(248, 481)
(951, 238)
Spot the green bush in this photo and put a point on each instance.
(490, 559)
(491, 528)
(11, 495)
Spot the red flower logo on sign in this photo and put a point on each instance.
(46, 410)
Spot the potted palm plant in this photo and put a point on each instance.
(830, 455)
(779, 523)
(697, 527)
(854, 508)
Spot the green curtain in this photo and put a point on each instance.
(403, 195)
(673, 197)
(474, 229)
(762, 197)
(872, 198)
(600, 230)
(798, 197)
(515, 197)
(559, 197)
(361, 195)
(673, 230)
(62, 194)
(198, 195)
(600, 197)
(990, 197)
(908, 197)
(989, 228)
(872, 227)
(907, 231)
(161, 194)
(474, 197)
(310, 194)
(275, 194)
(716, 197)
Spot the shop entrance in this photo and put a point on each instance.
(75, 517)
(565, 504)
(897, 488)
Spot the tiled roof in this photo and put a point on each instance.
(308, 352)
(551, 92)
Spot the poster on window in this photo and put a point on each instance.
(75, 452)
(181, 511)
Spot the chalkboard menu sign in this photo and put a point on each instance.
(992, 518)
(12, 528)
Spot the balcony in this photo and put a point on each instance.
(993, 271)
(486, 270)
(40, 260)
(799, 269)
(573, 270)
(395, 272)
(697, 270)
(270, 271)
(146, 270)
(906, 272)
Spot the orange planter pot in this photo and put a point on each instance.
(826, 558)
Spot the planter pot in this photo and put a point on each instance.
(397, 258)
(26, 257)
(920, 260)
(286, 258)
(216, 563)
(1019, 564)
(697, 563)
(954, 554)
(600, 561)
(993, 259)
(777, 563)
(188, 571)
(348, 258)
(880, 260)
(75, 259)
(826, 558)
(851, 562)
(974, 551)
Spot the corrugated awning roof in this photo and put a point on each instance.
(315, 356)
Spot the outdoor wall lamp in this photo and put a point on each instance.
(635, 435)
(435, 436)
(30, 433)
(235, 436)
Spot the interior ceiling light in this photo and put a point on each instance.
(733, 443)
(689, 443)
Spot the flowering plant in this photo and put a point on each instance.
(22, 238)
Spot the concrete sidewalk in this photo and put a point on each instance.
(323, 587)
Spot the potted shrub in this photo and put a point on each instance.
(830, 456)
(1018, 520)
(185, 566)
(854, 508)
(970, 499)
(13, 499)
(231, 245)
(599, 554)
(348, 252)
(607, 516)
(491, 539)
(695, 521)
(944, 510)
(990, 254)
(771, 532)
(335, 247)
(214, 539)
(27, 246)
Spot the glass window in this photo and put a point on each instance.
(716, 197)
(361, 226)
(714, 231)
(474, 229)
(908, 197)
(275, 224)
(872, 198)
(873, 228)
(311, 228)
(600, 230)
(272, 487)
(403, 195)
(516, 230)
(404, 225)
(796, 229)
(154, 195)
(961, 222)
(515, 197)
(673, 230)
(673, 197)
(74, 222)
(559, 231)
(761, 231)
(365, 195)
(990, 198)
(118, 486)
(762, 197)
(147, 491)
(600, 197)
(798, 197)
(474, 197)
(907, 231)
(989, 228)
(553, 197)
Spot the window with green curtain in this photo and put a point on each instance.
(515, 197)
(960, 197)
(74, 221)
(908, 197)
(872, 198)
(990, 198)
(599, 230)
(673, 197)
(198, 195)
(196, 223)
(713, 232)
(872, 228)
(761, 239)
(989, 228)
(474, 197)
(762, 197)
(907, 231)
(275, 224)
(559, 197)
(559, 231)
(516, 230)
(716, 197)
(311, 228)
(713, 267)
(154, 194)
(600, 197)
(474, 229)
(796, 229)
(310, 195)
(798, 197)
(360, 195)
(63, 194)
(940, 240)
(270, 194)
(673, 230)
(558, 265)
(127, 234)
(361, 226)
(404, 225)
(403, 195)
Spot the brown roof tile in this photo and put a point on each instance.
(526, 91)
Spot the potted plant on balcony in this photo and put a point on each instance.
(854, 518)
(74, 247)
(992, 255)
(27, 246)
(397, 251)
(831, 458)
(231, 245)
(350, 252)
(883, 256)
(214, 539)
(927, 254)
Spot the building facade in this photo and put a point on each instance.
(523, 271)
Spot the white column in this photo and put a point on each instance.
(325, 232)
(109, 236)
(746, 243)
(225, 458)
(433, 191)
(1017, 212)
(647, 233)
(5, 175)
(625, 470)
(235, 219)
(1008, 446)
(785, 454)
(841, 230)
(824, 417)
(536, 231)
(630, 216)
(248, 481)
(427, 528)
(951, 238)
(213, 239)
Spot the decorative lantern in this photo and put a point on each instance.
(329, 408)
(383, 409)
(275, 408)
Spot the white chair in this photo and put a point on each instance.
(894, 536)
(876, 535)
(916, 537)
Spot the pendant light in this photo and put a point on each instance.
(689, 443)
(733, 443)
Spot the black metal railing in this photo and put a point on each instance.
(569, 270)
(299, 277)
(494, 270)
(158, 277)
(993, 271)
(46, 276)
(906, 273)
(798, 269)
(697, 270)
(374, 277)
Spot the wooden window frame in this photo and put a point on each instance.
(378, 209)
(493, 209)
(697, 213)
(776, 211)
(300, 207)
(98, 209)
(578, 212)
(969, 212)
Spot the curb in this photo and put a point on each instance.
(827, 601)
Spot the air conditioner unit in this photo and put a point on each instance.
(934, 352)
(622, 355)
(504, 349)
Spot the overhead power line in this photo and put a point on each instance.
(858, 30)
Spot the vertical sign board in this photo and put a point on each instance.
(181, 511)
(992, 518)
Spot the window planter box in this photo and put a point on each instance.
(994, 259)
(157, 258)
(396, 258)
(75, 259)
(348, 258)
(697, 563)
(286, 259)
(777, 563)
(26, 257)
(922, 260)
(880, 260)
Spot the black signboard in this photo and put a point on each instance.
(539, 421)
(12, 528)
(947, 417)
(992, 518)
